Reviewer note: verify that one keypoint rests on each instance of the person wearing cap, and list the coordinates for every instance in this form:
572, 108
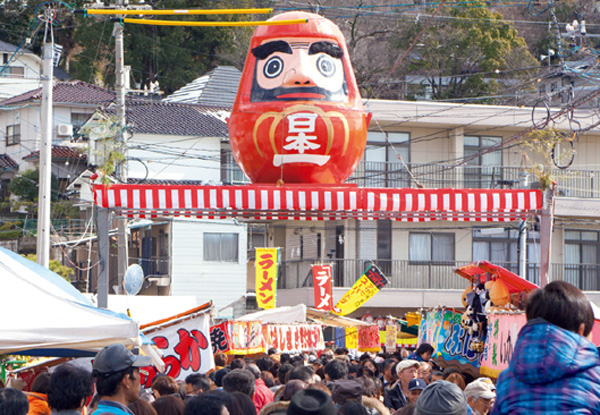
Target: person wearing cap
480, 396
555, 368
311, 402
415, 387
442, 398
396, 394
117, 374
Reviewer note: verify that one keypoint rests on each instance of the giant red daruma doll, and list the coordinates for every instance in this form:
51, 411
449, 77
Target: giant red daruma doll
298, 115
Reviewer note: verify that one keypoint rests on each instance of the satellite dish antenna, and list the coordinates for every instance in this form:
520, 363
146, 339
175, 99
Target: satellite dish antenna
134, 279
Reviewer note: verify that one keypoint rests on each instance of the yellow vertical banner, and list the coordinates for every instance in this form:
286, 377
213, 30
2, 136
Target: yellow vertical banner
363, 289
351, 338
266, 265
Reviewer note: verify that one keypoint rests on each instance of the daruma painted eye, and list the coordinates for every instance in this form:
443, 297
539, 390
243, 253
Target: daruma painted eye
326, 66
273, 67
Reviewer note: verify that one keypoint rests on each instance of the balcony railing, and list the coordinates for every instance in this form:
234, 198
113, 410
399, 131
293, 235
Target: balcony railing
576, 183
411, 275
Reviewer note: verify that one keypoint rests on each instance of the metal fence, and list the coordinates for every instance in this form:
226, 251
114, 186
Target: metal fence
575, 183
429, 275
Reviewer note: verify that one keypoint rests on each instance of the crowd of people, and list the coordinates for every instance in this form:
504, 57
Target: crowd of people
555, 369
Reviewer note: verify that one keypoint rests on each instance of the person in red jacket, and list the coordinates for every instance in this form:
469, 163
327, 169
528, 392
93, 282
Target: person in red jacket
262, 394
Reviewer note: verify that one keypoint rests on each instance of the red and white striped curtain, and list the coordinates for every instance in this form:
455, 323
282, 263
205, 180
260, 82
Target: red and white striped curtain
319, 202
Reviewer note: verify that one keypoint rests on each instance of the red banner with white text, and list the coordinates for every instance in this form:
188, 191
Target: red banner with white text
323, 286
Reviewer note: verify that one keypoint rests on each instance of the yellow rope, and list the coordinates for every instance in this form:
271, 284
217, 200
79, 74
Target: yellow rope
183, 23
115, 12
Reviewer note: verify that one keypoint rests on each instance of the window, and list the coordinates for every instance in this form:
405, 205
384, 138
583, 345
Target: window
14, 72
78, 119
501, 247
581, 258
382, 167
13, 134
221, 247
431, 247
483, 170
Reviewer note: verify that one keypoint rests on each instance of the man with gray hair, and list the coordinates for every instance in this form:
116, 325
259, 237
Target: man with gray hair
397, 393
480, 394
262, 394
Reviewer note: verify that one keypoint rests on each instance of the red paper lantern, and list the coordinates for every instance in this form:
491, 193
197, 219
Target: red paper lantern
298, 116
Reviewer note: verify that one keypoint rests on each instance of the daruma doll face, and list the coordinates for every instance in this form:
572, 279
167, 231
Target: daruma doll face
298, 115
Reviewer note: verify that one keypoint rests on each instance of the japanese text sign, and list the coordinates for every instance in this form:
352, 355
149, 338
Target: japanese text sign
323, 285
503, 330
219, 338
442, 329
237, 337
351, 338
185, 346
368, 338
390, 338
294, 338
267, 260
363, 289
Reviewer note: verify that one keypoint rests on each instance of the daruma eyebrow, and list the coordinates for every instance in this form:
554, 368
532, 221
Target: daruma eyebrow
267, 49
329, 48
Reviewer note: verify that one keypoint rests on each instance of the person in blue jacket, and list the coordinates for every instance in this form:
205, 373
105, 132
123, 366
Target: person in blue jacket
117, 374
555, 368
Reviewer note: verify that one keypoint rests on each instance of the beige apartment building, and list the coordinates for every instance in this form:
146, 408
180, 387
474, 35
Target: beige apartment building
440, 145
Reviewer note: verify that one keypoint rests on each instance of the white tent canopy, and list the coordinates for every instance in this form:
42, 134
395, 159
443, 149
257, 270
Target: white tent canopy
43, 315
300, 314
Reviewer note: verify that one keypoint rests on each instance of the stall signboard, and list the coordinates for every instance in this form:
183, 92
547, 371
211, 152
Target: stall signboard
267, 264
292, 338
502, 333
368, 338
219, 338
323, 286
186, 348
363, 289
442, 329
351, 338
390, 338
237, 337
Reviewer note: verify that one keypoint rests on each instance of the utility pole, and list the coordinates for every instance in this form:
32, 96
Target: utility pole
546, 218
523, 234
45, 177
123, 257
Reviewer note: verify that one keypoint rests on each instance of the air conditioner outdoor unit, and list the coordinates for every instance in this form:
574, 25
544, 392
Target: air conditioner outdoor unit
64, 130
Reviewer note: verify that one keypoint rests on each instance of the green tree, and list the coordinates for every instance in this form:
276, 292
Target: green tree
467, 54
55, 266
25, 186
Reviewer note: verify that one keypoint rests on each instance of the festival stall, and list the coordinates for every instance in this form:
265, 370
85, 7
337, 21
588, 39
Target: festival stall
479, 340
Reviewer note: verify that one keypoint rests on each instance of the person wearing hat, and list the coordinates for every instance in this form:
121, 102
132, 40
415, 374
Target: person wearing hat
311, 402
480, 396
415, 387
442, 398
117, 374
396, 394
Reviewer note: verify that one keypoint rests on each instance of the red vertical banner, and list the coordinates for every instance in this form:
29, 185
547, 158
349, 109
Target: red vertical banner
368, 339
323, 285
